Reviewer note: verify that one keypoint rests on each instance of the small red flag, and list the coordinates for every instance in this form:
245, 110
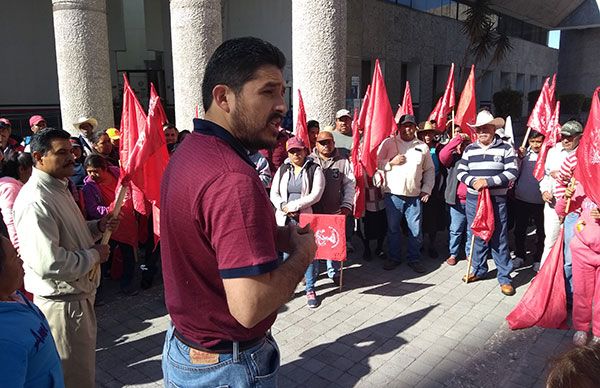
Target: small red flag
330, 235
379, 121
545, 302
552, 137
407, 106
359, 194
362, 116
543, 109
483, 223
466, 112
160, 110
445, 103
588, 153
301, 126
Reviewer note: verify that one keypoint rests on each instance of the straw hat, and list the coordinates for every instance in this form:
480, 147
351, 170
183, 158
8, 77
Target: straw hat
485, 117
83, 120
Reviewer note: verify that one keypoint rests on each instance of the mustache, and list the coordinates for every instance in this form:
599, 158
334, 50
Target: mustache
275, 116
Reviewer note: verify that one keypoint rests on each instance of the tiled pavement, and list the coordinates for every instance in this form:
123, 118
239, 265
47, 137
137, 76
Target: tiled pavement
386, 328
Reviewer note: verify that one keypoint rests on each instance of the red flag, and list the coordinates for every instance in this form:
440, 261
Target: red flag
359, 193
588, 153
162, 115
483, 223
379, 121
133, 121
445, 103
466, 112
301, 127
542, 111
407, 106
552, 137
330, 235
545, 302
363, 110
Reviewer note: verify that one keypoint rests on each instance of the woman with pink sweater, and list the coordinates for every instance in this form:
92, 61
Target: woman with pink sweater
16, 171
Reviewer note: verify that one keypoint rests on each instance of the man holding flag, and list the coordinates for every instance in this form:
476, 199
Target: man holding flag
489, 162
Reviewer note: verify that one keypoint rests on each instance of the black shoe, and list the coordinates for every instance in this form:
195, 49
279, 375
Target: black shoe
129, 291
390, 264
380, 253
367, 256
336, 280
417, 267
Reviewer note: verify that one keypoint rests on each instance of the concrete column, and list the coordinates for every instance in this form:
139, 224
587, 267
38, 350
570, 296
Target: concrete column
82, 61
195, 34
319, 57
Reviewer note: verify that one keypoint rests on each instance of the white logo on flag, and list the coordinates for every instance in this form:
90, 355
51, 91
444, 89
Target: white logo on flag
321, 239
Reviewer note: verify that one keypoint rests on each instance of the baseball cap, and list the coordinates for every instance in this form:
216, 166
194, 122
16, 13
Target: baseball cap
75, 142
341, 113
325, 135
407, 119
571, 128
294, 142
113, 133
34, 120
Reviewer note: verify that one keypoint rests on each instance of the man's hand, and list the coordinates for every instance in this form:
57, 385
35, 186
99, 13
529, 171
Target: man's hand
480, 184
302, 240
398, 160
109, 222
547, 196
104, 251
344, 211
521, 152
595, 214
569, 192
424, 197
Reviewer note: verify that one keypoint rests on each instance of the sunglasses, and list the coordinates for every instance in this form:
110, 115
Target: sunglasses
324, 142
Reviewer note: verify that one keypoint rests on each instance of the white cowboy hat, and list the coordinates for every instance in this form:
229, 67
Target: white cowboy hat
485, 117
82, 120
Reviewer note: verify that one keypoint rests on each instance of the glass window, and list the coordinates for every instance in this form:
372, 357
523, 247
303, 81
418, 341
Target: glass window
449, 8
430, 6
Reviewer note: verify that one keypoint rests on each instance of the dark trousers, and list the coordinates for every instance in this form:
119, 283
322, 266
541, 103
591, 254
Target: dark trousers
524, 212
128, 257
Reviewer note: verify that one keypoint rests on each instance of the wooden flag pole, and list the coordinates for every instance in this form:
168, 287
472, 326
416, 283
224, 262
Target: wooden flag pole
452, 121
107, 233
469, 262
571, 186
526, 137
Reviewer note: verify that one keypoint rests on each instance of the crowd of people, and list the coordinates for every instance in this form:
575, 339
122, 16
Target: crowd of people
232, 248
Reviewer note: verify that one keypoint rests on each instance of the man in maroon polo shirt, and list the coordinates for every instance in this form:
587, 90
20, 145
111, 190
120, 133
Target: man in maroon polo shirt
223, 281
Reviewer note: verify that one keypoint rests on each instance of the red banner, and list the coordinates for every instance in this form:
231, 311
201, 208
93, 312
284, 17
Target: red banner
588, 153
483, 223
330, 235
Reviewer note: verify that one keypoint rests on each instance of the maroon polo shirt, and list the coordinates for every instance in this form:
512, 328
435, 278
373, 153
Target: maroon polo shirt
216, 223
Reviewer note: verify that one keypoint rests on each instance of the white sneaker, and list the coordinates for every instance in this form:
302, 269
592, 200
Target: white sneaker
536, 266
517, 262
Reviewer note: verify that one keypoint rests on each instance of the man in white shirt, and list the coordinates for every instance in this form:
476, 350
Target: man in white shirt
409, 178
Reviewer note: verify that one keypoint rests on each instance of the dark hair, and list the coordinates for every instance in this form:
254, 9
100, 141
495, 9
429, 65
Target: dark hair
235, 62
535, 134
182, 134
95, 161
40, 141
169, 125
579, 367
312, 124
10, 166
97, 135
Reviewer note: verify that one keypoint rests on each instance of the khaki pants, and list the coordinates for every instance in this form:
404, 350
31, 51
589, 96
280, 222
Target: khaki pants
73, 326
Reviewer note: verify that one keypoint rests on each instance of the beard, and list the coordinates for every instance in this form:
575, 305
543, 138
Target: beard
253, 133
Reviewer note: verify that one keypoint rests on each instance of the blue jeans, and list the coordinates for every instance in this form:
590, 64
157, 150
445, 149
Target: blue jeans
498, 243
569, 228
457, 229
254, 367
312, 272
397, 207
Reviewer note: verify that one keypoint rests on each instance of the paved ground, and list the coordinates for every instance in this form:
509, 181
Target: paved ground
386, 328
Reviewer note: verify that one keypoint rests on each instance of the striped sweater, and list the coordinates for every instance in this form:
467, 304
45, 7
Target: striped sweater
497, 164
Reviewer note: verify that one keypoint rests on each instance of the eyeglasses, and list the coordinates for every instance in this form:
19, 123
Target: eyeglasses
324, 142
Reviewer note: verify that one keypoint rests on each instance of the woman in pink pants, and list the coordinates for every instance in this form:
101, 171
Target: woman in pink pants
585, 250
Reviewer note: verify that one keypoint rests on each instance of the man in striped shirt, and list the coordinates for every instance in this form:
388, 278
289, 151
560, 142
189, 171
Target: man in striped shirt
489, 162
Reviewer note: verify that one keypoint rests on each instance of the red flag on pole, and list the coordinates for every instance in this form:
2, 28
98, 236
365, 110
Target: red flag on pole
445, 103
542, 111
359, 194
330, 234
545, 302
362, 116
466, 112
379, 121
301, 126
552, 137
160, 111
407, 106
483, 223
588, 153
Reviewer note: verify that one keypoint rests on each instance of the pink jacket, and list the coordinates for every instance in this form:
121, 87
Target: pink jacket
9, 189
587, 229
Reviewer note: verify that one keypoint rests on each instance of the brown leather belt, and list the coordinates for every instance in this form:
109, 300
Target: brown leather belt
223, 347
